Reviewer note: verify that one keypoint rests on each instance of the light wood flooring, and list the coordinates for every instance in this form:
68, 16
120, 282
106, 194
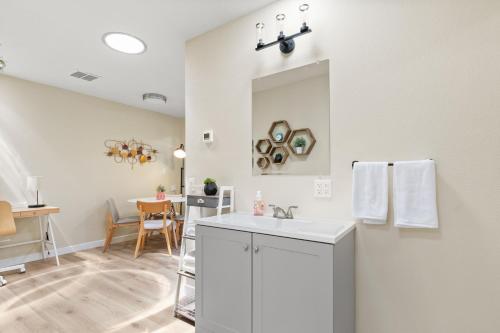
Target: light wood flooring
95, 292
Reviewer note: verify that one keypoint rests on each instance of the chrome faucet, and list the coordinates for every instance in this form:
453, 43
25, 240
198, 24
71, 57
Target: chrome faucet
280, 213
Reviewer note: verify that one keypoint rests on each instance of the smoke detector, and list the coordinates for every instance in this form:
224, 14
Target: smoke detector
154, 98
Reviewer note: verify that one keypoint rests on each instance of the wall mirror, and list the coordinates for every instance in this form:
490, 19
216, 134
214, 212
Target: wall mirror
291, 122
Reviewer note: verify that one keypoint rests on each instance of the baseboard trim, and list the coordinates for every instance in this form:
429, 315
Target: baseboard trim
64, 250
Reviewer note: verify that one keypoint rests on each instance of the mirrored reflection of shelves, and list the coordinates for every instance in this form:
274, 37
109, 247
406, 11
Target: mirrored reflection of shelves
263, 146
263, 162
279, 131
309, 141
279, 155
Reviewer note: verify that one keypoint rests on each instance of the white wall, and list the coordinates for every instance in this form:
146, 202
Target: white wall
409, 80
60, 135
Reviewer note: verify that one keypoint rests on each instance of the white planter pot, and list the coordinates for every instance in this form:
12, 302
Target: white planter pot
299, 150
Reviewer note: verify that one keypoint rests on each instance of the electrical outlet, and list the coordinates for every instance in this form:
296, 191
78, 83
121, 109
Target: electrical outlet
322, 188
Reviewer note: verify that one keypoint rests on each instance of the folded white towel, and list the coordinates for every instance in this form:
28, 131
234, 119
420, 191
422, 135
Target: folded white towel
370, 192
415, 194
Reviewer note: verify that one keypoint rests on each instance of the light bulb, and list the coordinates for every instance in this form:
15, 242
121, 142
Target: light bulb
280, 25
304, 10
260, 32
180, 152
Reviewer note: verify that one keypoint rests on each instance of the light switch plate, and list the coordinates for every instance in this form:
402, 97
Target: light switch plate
322, 188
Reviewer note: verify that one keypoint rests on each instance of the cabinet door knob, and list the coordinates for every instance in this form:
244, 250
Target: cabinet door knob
256, 249
246, 247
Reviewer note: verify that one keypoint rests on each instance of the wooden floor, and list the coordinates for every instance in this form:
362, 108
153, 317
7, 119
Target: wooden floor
95, 292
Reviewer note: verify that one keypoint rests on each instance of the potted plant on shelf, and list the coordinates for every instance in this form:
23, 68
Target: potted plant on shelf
299, 144
160, 192
210, 186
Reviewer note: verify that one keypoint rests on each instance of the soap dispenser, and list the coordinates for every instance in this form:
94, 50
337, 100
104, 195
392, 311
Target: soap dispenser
258, 204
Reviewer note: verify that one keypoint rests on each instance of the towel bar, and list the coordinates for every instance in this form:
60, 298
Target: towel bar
390, 163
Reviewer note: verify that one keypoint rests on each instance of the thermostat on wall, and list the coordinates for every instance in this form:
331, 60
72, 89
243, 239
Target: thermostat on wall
208, 136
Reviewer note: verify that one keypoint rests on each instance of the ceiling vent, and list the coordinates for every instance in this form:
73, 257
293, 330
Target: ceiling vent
154, 98
84, 76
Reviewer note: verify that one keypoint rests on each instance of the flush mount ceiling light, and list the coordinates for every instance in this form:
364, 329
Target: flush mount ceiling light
154, 98
123, 42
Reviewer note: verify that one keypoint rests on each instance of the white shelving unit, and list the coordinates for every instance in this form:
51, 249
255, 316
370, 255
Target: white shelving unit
185, 304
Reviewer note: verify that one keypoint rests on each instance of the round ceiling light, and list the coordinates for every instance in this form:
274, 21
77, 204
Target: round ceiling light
123, 42
154, 98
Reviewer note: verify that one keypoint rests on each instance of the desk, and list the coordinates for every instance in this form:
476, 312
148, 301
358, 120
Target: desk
46, 238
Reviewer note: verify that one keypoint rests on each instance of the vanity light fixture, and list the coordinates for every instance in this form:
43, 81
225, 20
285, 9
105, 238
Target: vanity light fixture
123, 42
287, 43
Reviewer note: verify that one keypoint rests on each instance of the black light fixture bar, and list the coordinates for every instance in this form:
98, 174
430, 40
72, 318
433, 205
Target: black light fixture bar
285, 39
286, 43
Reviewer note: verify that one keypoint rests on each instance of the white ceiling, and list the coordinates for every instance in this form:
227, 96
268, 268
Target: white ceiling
46, 41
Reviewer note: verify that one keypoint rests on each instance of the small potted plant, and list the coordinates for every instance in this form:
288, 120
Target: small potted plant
299, 144
160, 192
210, 186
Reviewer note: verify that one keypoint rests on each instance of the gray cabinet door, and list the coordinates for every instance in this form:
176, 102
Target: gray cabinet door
223, 280
293, 285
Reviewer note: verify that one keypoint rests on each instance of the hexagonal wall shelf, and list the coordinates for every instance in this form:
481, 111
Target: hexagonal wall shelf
279, 150
263, 162
302, 133
279, 131
263, 146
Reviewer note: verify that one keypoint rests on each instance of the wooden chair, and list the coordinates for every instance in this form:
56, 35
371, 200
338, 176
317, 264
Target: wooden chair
8, 227
114, 221
147, 211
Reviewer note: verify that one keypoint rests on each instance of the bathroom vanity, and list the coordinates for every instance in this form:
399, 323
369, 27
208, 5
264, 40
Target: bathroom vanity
266, 275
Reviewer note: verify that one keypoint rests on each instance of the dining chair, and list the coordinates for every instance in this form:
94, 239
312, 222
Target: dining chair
114, 221
148, 224
7, 227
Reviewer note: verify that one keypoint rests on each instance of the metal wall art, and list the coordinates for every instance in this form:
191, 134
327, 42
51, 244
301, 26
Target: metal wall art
131, 152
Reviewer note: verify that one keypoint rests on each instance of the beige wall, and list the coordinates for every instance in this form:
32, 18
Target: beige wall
409, 80
303, 104
60, 135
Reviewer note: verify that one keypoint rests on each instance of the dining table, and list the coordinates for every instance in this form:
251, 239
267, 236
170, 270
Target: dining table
175, 199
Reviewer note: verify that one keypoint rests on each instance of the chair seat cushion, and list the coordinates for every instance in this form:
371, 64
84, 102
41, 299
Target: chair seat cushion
128, 219
155, 224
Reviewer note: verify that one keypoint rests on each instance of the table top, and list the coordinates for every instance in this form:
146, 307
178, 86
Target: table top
174, 198
22, 212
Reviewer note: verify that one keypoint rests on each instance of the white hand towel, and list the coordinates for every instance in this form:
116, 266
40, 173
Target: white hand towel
370, 192
415, 194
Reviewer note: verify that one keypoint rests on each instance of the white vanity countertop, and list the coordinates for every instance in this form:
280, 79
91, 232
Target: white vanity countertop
318, 230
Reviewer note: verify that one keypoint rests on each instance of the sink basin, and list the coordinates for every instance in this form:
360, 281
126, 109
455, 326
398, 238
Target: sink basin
326, 231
